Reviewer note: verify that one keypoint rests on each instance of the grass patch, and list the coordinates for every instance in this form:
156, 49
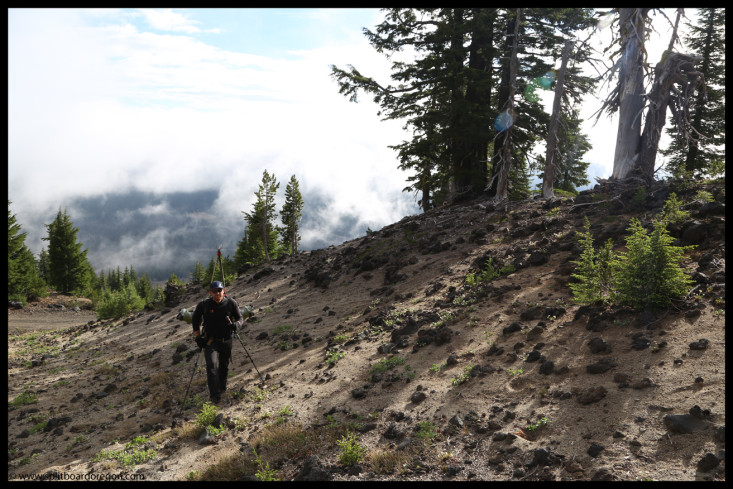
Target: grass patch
387, 364
334, 356
23, 398
135, 452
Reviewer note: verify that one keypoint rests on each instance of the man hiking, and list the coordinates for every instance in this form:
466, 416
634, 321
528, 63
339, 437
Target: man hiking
221, 317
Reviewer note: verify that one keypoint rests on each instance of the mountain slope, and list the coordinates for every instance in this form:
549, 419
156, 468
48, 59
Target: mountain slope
413, 347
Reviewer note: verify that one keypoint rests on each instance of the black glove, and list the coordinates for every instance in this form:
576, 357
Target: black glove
233, 325
200, 341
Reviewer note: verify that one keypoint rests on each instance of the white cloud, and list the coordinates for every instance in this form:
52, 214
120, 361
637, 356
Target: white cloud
134, 110
167, 20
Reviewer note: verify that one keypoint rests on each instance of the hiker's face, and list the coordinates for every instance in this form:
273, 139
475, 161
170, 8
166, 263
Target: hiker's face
217, 294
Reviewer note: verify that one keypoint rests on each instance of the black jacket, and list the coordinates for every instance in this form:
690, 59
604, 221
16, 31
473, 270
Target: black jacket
214, 317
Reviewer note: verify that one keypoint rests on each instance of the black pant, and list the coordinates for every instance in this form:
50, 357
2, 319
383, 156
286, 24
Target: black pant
217, 356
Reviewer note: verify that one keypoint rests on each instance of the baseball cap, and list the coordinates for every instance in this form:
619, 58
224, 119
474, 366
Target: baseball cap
216, 285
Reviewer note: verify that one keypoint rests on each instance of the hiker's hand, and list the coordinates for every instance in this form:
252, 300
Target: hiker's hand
201, 342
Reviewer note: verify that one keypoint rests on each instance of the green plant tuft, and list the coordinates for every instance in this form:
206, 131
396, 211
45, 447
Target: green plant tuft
649, 274
351, 451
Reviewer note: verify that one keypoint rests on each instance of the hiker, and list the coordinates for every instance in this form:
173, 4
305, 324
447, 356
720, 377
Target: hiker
221, 316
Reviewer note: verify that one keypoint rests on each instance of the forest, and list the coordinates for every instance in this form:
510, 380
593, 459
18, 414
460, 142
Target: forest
470, 95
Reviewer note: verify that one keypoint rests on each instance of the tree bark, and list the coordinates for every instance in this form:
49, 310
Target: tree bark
551, 157
631, 92
502, 186
673, 68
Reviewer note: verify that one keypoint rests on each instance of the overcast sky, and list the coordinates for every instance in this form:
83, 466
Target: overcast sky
106, 103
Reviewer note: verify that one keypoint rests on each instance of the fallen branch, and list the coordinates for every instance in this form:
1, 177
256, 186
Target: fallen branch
617, 198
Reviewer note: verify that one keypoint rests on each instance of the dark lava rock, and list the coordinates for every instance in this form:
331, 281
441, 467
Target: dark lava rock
595, 449
597, 345
393, 433
533, 356
542, 457
603, 365
592, 394
701, 344
313, 470
684, 423
56, 422
418, 396
602, 475
708, 462
515, 326
639, 343
547, 367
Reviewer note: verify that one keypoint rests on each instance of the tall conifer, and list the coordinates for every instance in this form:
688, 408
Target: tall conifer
291, 214
24, 281
68, 268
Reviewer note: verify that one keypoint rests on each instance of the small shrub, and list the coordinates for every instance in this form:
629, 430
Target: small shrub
704, 196
426, 431
207, 415
649, 273
264, 473
464, 377
639, 197
351, 451
334, 356
671, 212
437, 367
487, 274
593, 274
282, 329
542, 422
386, 364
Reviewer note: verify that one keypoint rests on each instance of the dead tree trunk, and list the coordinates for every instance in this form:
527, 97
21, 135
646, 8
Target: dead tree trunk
630, 92
551, 158
674, 68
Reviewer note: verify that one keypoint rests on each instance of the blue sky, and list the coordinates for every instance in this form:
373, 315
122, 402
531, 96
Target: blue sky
108, 101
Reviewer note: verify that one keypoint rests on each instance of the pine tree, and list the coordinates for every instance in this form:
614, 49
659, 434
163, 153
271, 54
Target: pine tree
291, 214
113, 279
116, 304
703, 154
102, 283
264, 234
593, 276
246, 253
43, 265
198, 276
145, 288
648, 274
24, 281
68, 268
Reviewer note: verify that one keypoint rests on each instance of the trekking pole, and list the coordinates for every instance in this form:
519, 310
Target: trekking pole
262, 378
236, 333
221, 267
192, 373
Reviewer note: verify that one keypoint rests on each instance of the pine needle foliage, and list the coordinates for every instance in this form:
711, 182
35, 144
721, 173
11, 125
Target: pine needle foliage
593, 276
649, 273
